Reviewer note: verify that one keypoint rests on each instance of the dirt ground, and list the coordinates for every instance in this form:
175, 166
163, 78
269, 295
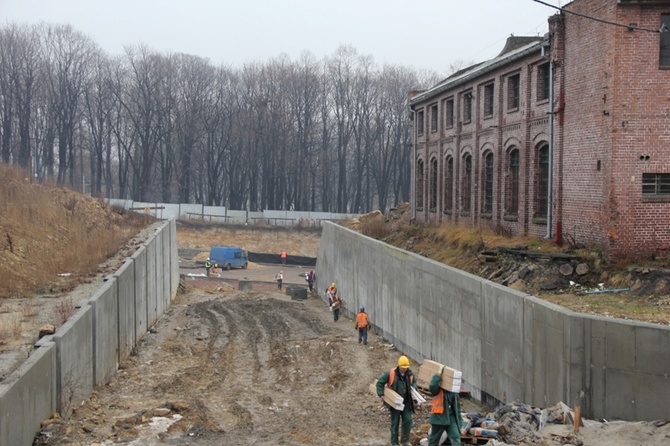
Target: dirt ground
257, 368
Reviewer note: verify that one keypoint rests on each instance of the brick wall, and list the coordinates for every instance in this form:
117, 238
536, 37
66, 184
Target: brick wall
612, 124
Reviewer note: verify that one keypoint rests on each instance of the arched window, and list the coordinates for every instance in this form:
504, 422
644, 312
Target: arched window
433, 185
419, 184
449, 185
542, 182
487, 202
512, 189
466, 186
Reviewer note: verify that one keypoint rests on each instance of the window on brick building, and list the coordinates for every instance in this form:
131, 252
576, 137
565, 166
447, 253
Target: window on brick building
488, 100
419, 184
419, 123
543, 82
467, 107
542, 182
449, 185
512, 195
487, 202
664, 54
466, 186
433, 118
449, 113
656, 184
513, 87
433, 185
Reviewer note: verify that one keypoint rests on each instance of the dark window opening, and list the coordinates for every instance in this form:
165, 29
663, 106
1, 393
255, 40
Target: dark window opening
433, 185
488, 184
449, 186
433, 118
513, 184
543, 82
488, 100
450, 113
467, 107
419, 123
467, 183
542, 182
419, 184
513, 92
656, 184
664, 51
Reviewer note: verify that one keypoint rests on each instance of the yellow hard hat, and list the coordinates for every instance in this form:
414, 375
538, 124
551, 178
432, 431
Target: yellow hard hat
403, 362
332, 284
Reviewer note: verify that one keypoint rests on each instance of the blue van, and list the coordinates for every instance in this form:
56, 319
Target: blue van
228, 257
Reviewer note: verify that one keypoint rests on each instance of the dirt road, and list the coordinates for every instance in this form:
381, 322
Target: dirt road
241, 369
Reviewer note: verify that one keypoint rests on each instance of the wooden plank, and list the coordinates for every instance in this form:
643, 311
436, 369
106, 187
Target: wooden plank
391, 397
451, 379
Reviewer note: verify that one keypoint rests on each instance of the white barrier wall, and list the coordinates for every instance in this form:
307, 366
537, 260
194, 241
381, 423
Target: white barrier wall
86, 350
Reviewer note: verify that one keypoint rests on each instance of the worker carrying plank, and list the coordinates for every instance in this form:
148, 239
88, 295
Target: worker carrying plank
445, 413
400, 379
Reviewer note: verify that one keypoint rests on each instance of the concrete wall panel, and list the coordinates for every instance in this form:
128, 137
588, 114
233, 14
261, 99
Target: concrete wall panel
152, 304
125, 277
104, 305
165, 274
74, 360
174, 259
28, 396
160, 269
141, 312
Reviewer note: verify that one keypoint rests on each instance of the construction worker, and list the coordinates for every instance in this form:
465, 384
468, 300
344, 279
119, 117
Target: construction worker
445, 414
334, 301
283, 257
362, 325
400, 379
310, 278
280, 279
208, 266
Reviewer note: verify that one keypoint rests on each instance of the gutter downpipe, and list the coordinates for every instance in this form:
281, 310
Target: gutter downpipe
551, 146
413, 166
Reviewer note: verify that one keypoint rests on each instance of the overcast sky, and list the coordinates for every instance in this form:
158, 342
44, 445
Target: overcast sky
424, 34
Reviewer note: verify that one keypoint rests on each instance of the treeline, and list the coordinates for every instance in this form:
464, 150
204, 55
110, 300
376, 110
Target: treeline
323, 135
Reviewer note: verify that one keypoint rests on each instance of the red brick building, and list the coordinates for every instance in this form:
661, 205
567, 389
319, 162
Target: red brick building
565, 136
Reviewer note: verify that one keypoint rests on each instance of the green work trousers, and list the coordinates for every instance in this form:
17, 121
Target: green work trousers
406, 416
336, 314
453, 433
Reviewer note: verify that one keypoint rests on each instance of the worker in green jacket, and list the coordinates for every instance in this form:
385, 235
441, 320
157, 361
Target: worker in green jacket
445, 413
400, 379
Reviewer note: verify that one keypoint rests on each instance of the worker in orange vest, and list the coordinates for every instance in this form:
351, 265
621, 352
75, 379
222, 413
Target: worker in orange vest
283, 257
362, 325
445, 414
400, 379
334, 301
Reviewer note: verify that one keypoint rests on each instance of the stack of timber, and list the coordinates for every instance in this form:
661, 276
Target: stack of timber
338, 304
391, 397
450, 381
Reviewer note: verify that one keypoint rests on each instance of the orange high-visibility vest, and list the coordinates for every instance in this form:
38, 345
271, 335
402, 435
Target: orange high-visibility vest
362, 320
392, 378
438, 403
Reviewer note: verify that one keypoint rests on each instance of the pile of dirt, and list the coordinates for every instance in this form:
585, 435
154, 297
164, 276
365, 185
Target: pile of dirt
576, 277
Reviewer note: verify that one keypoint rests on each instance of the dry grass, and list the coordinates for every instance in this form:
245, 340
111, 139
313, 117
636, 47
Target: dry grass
62, 310
46, 230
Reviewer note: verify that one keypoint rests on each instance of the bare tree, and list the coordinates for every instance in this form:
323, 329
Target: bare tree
67, 69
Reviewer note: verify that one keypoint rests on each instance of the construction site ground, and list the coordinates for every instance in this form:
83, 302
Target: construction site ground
223, 367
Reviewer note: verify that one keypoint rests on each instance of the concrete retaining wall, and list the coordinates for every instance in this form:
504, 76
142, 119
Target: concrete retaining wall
509, 345
86, 350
